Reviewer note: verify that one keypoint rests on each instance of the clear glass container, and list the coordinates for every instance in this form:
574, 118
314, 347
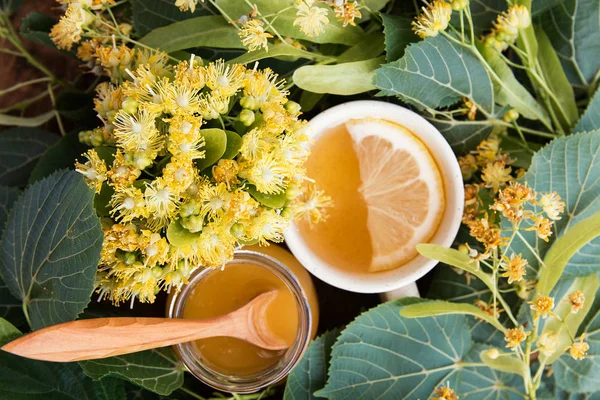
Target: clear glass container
190, 357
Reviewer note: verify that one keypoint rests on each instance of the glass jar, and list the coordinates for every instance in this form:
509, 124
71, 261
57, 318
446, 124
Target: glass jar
190, 357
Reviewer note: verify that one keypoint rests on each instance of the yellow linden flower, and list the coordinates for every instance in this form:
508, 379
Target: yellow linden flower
154, 60
496, 175
252, 144
346, 11
268, 226
542, 226
263, 87
185, 5
190, 75
488, 308
253, 35
552, 205
577, 300
311, 19
113, 56
155, 248
445, 393
94, 170
514, 267
128, 204
180, 99
225, 80
311, 204
547, 343
180, 173
69, 29
578, 350
542, 306
186, 146
269, 173
511, 201
225, 171
137, 132
214, 200
162, 202
216, 245
122, 174
433, 20
108, 98
213, 105
515, 337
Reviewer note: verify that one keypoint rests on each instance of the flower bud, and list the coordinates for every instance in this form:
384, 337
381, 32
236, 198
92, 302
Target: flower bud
96, 139
511, 115
193, 223
129, 258
493, 353
187, 209
141, 161
458, 5
292, 192
130, 105
249, 102
157, 272
292, 107
287, 213
463, 249
246, 117
237, 230
110, 116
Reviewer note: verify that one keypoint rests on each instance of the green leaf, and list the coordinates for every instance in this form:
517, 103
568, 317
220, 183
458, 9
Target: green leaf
563, 249
78, 107
8, 196
10, 307
51, 249
343, 79
157, 370
310, 374
452, 286
539, 7
589, 286
437, 73
456, 259
8, 332
215, 146
308, 100
505, 363
462, 136
333, 32
398, 35
27, 122
26, 379
234, 142
590, 120
573, 30
151, 14
270, 200
563, 102
179, 236
209, 31
102, 200
36, 26
383, 355
508, 90
277, 50
371, 46
581, 376
568, 166
61, 155
20, 149
435, 308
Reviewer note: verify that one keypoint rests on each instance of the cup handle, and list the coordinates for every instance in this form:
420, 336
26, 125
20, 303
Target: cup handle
410, 290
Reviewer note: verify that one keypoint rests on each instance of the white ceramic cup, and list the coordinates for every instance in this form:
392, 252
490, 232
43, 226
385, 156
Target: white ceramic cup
379, 282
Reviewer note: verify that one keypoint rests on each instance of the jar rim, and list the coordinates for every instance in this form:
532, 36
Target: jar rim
253, 383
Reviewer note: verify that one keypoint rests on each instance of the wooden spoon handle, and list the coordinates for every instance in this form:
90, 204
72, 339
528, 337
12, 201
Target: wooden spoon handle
105, 337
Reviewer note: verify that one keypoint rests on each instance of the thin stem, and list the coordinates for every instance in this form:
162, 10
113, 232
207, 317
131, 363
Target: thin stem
495, 281
23, 84
471, 29
526, 130
229, 19
462, 25
531, 249
26, 103
17, 54
56, 113
189, 392
518, 129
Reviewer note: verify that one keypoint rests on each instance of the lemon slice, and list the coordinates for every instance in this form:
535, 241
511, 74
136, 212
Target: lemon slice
402, 187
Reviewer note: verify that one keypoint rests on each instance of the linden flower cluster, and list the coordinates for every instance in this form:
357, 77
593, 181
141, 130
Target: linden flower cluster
78, 18
312, 19
177, 197
506, 27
